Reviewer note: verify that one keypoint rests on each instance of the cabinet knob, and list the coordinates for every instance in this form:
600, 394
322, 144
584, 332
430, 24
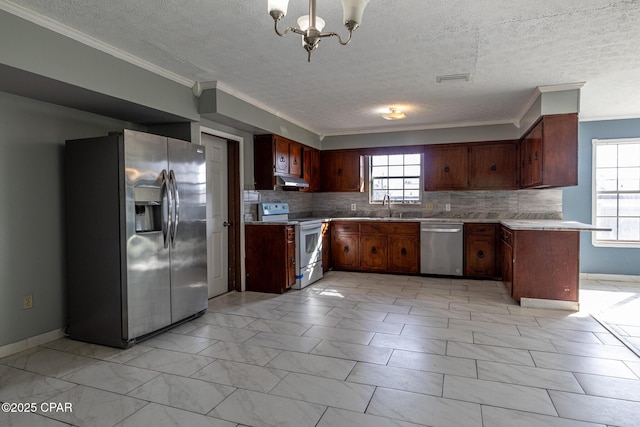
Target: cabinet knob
282, 160
403, 251
293, 261
340, 171
494, 167
346, 248
446, 168
480, 254
374, 250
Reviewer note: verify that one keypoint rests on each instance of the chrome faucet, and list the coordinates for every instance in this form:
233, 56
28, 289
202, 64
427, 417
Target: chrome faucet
387, 198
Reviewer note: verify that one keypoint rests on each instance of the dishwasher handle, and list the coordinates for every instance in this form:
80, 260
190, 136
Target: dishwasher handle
441, 230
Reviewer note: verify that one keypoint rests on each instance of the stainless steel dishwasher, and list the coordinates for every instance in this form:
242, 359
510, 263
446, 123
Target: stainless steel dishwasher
441, 248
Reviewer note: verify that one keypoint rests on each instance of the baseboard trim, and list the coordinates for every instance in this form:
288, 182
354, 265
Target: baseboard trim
31, 342
549, 304
610, 277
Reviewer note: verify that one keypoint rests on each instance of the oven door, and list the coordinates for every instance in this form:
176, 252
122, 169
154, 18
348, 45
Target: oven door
308, 253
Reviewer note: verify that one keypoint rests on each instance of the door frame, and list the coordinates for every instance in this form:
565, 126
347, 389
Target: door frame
235, 206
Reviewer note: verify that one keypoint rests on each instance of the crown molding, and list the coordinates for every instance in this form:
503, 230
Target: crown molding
561, 87
66, 31
539, 91
584, 118
419, 127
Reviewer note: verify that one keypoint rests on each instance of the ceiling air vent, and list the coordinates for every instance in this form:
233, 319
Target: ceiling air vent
450, 77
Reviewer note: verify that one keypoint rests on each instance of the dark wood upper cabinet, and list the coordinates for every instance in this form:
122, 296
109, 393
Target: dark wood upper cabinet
446, 167
549, 152
493, 165
311, 169
275, 155
342, 170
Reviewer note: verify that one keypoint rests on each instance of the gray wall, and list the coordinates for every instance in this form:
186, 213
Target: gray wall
577, 201
32, 136
27, 46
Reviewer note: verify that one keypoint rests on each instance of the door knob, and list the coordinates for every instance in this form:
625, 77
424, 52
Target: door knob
226, 224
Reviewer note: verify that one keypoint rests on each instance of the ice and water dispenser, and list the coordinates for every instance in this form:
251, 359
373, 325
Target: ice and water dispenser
148, 208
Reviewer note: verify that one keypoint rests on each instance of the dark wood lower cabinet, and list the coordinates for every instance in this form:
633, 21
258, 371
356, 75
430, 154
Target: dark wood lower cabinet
344, 251
404, 254
390, 247
326, 247
541, 264
506, 257
480, 253
373, 252
270, 257
291, 257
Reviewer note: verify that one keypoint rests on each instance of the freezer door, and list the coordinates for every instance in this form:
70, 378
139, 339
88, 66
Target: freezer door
189, 242
146, 306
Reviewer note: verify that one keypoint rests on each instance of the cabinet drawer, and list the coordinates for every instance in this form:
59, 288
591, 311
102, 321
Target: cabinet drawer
506, 236
345, 227
480, 229
389, 228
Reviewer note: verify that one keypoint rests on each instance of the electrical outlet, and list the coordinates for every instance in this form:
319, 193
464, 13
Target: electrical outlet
429, 206
447, 207
27, 301
353, 206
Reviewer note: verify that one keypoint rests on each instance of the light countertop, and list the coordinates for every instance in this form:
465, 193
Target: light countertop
514, 224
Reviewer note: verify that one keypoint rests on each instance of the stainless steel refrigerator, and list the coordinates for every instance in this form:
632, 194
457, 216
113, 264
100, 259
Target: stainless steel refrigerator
136, 235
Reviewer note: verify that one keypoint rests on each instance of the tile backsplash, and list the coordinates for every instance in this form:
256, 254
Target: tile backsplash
516, 204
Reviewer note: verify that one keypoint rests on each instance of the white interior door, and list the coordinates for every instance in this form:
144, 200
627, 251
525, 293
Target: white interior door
217, 200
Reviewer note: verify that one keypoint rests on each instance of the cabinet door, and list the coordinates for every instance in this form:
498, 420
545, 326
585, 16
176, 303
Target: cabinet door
560, 147
506, 263
344, 251
291, 261
480, 256
531, 157
403, 254
373, 251
281, 156
295, 159
493, 166
311, 169
446, 167
341, 170
326, 246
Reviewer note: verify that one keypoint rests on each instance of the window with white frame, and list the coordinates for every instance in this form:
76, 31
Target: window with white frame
616, 192
397, 175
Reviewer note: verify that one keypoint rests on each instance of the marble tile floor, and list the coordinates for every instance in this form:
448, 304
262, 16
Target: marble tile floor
354, 349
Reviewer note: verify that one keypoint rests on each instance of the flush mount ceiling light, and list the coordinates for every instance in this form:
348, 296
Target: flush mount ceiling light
393, 114
310, 26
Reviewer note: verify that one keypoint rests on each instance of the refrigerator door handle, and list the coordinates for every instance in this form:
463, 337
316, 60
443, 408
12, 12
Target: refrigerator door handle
176, 210
166, 214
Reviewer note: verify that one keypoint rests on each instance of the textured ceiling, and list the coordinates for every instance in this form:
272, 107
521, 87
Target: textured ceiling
510, 47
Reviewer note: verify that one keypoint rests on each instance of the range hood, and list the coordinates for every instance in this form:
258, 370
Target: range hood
289, 181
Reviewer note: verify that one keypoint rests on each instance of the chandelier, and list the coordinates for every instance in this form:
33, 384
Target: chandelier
310, 26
